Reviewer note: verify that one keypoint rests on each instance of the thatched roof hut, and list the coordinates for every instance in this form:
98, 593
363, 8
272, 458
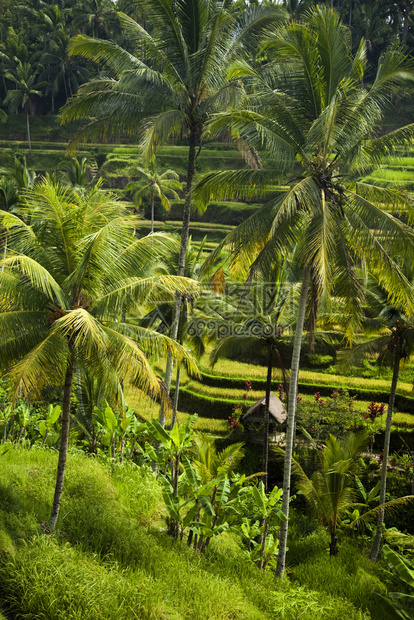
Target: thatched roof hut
277, 411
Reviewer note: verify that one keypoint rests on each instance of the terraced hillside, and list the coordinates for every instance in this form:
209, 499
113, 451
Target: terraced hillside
214, 395
116, 164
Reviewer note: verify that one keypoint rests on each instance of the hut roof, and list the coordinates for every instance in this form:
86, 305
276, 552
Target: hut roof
276, 409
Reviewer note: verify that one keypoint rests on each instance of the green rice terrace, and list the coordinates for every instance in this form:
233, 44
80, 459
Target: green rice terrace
206, 310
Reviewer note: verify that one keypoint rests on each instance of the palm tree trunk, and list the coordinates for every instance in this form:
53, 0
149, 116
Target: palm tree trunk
266, 417
176, 395
378, 535
263, 543
412, 475
64, 440
313, 315
290, 431
152, 211
28, 130
181, 262
80, 397
333, 547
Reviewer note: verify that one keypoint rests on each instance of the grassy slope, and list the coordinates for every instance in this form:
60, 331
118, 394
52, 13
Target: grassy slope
111, 560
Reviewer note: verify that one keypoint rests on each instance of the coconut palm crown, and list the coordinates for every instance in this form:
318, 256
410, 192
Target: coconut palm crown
73, 273
177, 86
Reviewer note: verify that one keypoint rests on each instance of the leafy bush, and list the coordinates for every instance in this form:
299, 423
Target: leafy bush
335, 414
310, 546
318, 361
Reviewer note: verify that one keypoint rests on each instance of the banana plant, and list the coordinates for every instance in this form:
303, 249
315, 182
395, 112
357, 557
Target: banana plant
173, 443
47, 428
404, 572
185, 506
6, 415
209, 502
268, 505
129, 428
106, 424
23, 416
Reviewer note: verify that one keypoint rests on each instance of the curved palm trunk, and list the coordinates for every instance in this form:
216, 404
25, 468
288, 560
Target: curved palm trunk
64, 440
290, 431
266, 418
378, 535
181, 263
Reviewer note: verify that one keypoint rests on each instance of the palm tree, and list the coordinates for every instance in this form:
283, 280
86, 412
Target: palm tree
154, 184
20, 174
24, 79
183, 83
74, 172
330, 492
13, 181
67, 279
311, 111
60, 69
390, 348
96, 17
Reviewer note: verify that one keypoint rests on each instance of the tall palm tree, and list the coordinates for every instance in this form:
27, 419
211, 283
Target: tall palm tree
319, 122
391, 348
154, 184
26, 88
96, 17
183, 83
60, 69
68, 277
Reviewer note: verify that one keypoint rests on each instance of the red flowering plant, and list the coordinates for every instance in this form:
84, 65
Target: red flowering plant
375, 410
334, 414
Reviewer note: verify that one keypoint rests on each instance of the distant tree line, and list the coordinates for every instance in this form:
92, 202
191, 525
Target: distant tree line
38, 75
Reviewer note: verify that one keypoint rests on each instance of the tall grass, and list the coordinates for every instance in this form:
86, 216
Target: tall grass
111, 559
106, 562
350, 575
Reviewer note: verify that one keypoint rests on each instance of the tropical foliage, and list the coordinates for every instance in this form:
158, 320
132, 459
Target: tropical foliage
316, 119
318, 277
61, 306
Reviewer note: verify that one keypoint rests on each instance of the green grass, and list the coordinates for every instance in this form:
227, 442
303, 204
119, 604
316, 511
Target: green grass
147, 410
112, 561
393, 174
350, 575
243, 371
